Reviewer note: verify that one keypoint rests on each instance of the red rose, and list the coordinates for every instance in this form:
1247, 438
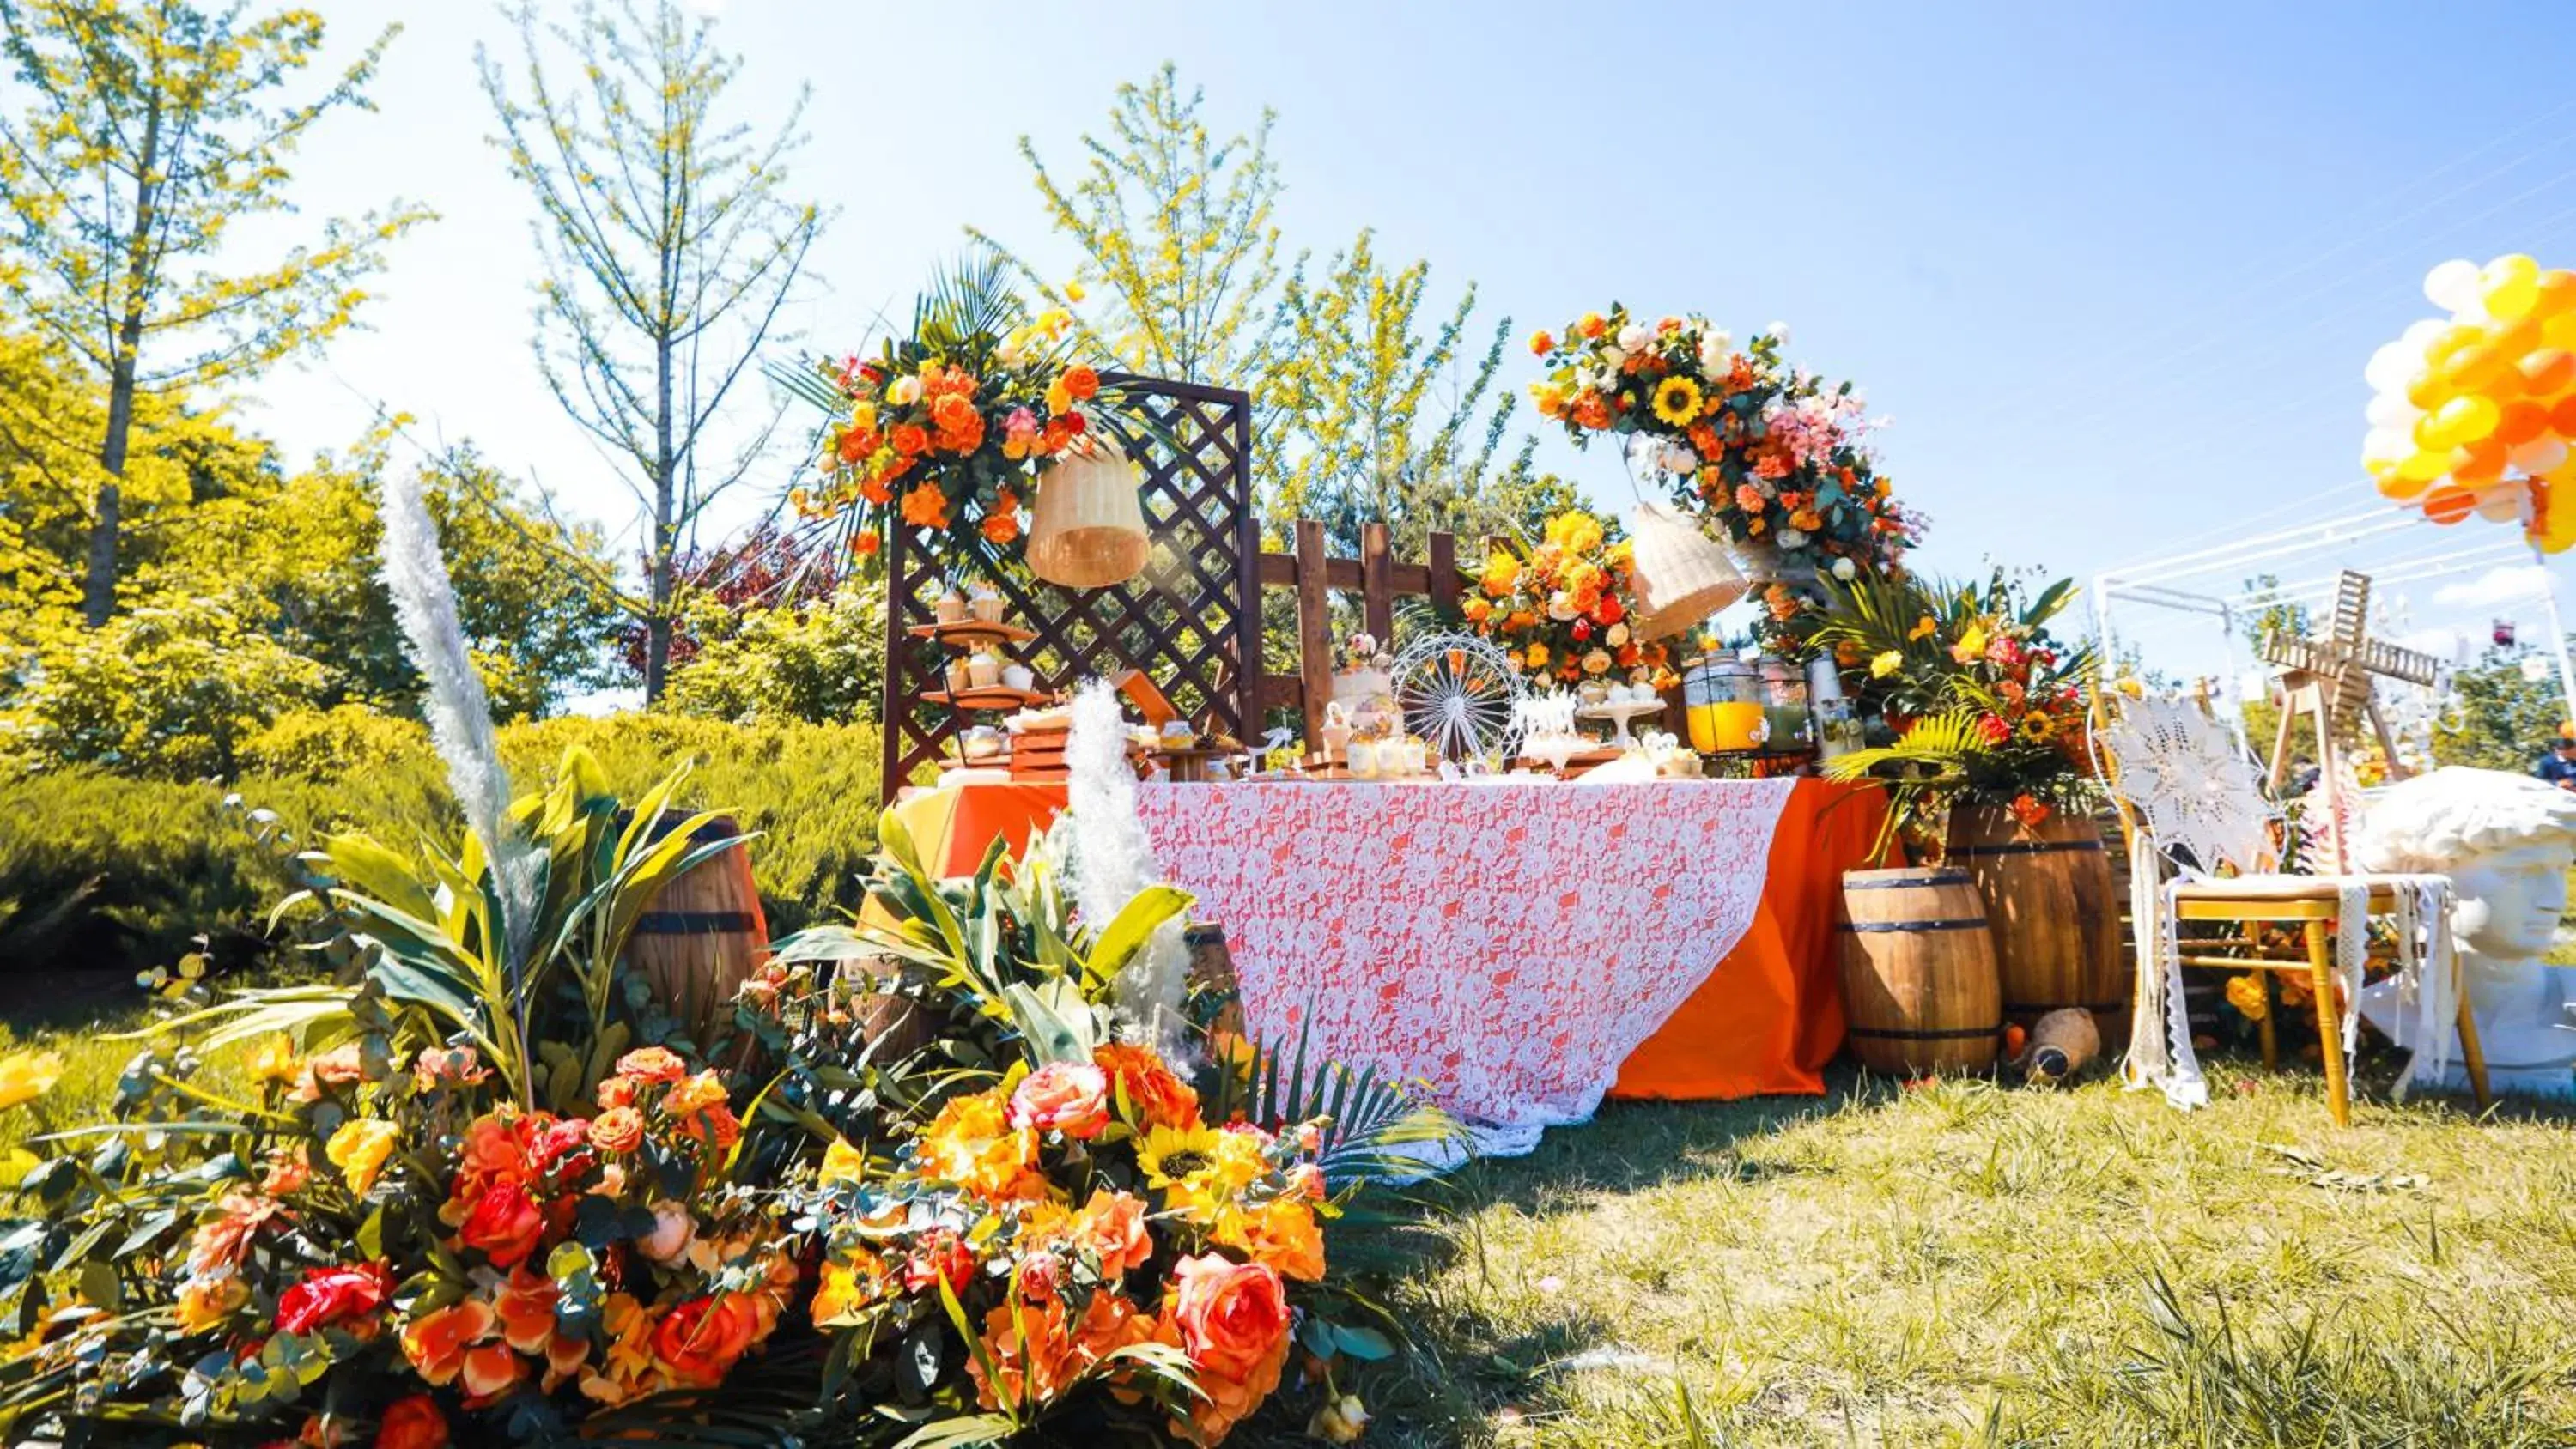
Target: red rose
1582, 629
555, 1144
1994, 729
412, 1423
1609, 611
333, 1295
1067, 1097
941, 1254
503, 1224
1232, 1316
699, 1340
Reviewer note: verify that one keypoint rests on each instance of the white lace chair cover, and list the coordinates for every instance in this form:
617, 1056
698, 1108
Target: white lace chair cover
2195, 797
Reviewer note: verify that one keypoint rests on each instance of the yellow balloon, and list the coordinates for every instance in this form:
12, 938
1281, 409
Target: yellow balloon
2557, 293
2559, 331
2425, 466
2449, 340
2554, 526
2427, 390
2461, 420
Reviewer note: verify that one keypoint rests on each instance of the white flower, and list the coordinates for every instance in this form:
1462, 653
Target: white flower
1677, 458
1560, 606
1617, 635
1844, 569
1777, 332
1792, 538
1634, 338
1715, 348
1612, 357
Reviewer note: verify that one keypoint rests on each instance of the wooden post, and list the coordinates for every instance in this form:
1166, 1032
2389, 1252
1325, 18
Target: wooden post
1314, 629
1377, 584
1444, 580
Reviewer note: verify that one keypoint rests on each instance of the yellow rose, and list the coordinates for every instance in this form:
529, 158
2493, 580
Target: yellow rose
25, 1076
1923, 628
1886, 664
1502, 571
1073, 292
1537, 656
205, 1303
863, 415
904, 392
359, 1150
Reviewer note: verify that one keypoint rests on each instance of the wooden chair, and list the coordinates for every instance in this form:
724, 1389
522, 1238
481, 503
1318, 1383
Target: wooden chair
2188, 801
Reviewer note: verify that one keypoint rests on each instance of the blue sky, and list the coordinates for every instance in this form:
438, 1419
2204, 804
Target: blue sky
2114, 273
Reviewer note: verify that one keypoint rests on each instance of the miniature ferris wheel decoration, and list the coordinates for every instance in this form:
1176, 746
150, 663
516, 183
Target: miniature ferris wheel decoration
1460, 693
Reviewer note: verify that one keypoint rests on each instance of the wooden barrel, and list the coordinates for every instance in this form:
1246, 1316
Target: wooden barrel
2051, 911
704, 933
1919, 988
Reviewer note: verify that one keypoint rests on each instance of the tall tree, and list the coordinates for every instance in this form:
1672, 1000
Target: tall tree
670, 249
1389, 422
2502, 716
1175, 232
150, 129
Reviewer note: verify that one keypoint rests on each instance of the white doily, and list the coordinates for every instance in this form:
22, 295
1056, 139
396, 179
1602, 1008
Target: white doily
2192, 783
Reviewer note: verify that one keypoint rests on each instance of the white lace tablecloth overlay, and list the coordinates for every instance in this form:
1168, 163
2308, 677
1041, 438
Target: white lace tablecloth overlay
1505, 946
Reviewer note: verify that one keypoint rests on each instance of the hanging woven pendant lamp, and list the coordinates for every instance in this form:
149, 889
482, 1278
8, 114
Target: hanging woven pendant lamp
1089, 531
1682, 576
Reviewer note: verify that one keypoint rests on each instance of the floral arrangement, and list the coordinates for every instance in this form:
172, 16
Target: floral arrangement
477, 1193
1561, 608
1776, 460
1983, 704
947, 430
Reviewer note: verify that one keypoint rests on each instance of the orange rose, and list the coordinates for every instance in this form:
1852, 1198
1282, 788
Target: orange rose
1232, 1316
1066, 1097
972, 1144
1036, 1354
412, 1423
1541, 344
1592, 325
1081, 382
652, 1064
1145, 1089
503, 1224
952, 413
436, 1342
911, 439
1001, 528
617, 1092
864, 544
339, 1067
1112, 1225
699, 1341
221, 1243
694, 1094
619, 1129
1591, 410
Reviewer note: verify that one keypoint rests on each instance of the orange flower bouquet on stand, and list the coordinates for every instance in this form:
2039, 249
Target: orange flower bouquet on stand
948, 429
1561, 608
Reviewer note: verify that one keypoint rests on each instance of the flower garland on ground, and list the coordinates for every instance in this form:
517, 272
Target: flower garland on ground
1773, 457
1560, 609
948, 430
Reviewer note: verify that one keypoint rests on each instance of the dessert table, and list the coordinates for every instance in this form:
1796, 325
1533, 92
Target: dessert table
1520, 949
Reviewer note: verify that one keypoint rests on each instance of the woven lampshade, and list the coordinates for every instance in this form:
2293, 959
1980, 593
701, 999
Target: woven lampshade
1089, 531
1682, 575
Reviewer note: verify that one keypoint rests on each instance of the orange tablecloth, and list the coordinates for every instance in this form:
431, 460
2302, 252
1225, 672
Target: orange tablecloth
1766, 1020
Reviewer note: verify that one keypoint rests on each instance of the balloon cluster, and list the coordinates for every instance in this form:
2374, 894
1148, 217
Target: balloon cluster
2476, 412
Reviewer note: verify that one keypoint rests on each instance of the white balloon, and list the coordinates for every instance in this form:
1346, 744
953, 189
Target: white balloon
2472, 313
2390, 409
2453, 284
2540, 455
2391, 365
2386, 445
2501, 505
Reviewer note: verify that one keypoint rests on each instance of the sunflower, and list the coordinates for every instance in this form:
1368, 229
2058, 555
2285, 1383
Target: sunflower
1677, 401
1169, 1154
2038, 728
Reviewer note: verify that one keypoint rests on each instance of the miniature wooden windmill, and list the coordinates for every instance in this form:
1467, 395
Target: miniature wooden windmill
2329, 678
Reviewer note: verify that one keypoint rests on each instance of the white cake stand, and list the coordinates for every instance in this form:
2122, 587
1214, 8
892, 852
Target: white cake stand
1620, 715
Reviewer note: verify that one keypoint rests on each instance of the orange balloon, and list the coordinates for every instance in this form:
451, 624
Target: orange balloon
2475, 367
2562, 416
2517, 338
2547, 372
2447, 506
2484, 464
2557, 293
2520, 422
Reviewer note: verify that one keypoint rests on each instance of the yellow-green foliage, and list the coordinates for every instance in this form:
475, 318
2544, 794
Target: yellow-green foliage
103, 872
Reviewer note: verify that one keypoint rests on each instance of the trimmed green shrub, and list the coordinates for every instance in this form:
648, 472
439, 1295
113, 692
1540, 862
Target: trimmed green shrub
102, 872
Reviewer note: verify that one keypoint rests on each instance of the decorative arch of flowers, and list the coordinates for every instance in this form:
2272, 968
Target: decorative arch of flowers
1560, 608
1773, 458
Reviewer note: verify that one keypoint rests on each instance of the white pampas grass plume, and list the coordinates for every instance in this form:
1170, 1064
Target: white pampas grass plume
1112, 861
460, 715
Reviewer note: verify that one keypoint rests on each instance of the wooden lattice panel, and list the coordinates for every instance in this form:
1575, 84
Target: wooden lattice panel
1190, 621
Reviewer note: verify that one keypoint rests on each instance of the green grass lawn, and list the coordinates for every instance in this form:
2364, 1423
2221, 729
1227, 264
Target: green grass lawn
1967, 1265
1963, 1265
